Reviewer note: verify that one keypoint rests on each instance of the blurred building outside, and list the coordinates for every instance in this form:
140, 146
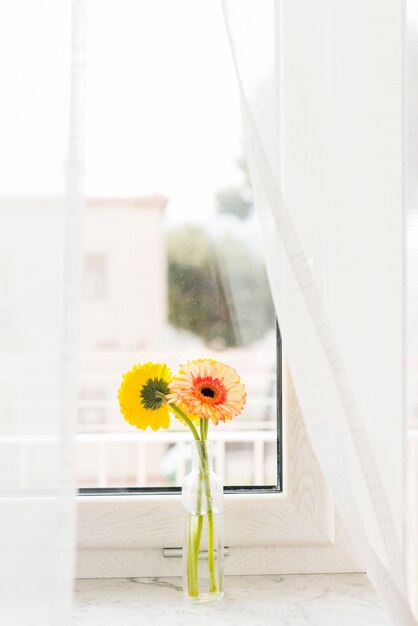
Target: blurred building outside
124, 322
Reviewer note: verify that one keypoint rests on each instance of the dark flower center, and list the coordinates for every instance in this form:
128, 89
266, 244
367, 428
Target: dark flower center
208, 392
149, 399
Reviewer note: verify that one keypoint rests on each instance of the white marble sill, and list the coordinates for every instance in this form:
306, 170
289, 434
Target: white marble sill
314, 600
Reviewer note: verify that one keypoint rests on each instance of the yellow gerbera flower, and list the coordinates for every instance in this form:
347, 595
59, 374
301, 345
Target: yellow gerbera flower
208, 389
138, 399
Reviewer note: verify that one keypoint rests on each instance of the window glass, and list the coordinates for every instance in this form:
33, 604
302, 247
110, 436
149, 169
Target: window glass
173, 262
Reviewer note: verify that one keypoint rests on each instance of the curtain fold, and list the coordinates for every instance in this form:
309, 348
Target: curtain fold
41, 70
323, 128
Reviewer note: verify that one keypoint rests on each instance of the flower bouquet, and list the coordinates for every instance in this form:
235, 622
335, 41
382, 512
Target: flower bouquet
204, 390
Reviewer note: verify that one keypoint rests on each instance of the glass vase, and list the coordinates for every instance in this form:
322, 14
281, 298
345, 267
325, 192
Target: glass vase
202, 496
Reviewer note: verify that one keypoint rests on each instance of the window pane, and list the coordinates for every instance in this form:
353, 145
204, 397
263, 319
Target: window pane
173, 263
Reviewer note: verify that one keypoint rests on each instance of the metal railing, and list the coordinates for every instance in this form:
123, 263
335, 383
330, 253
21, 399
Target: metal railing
103, 443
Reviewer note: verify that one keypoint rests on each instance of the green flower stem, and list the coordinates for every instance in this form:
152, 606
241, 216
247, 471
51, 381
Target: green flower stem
191, 574
202, 429
204, 474
194, 535
199, 511
187, 419
211, 553
204, 425
211, 542
205, 428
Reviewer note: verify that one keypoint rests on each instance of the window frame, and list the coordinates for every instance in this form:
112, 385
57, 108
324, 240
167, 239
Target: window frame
291, 530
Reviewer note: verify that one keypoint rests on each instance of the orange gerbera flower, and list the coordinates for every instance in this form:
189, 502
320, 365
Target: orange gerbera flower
208, 389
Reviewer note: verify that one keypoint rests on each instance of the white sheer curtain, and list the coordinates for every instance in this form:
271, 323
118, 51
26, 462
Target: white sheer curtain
411, 198
40, 209
322, 101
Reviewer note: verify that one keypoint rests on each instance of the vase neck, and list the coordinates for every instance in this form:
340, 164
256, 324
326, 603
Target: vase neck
202, 455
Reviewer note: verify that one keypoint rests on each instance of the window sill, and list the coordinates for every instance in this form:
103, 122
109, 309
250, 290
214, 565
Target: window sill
326, 599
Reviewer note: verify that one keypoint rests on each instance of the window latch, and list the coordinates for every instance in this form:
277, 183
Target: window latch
177, 553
